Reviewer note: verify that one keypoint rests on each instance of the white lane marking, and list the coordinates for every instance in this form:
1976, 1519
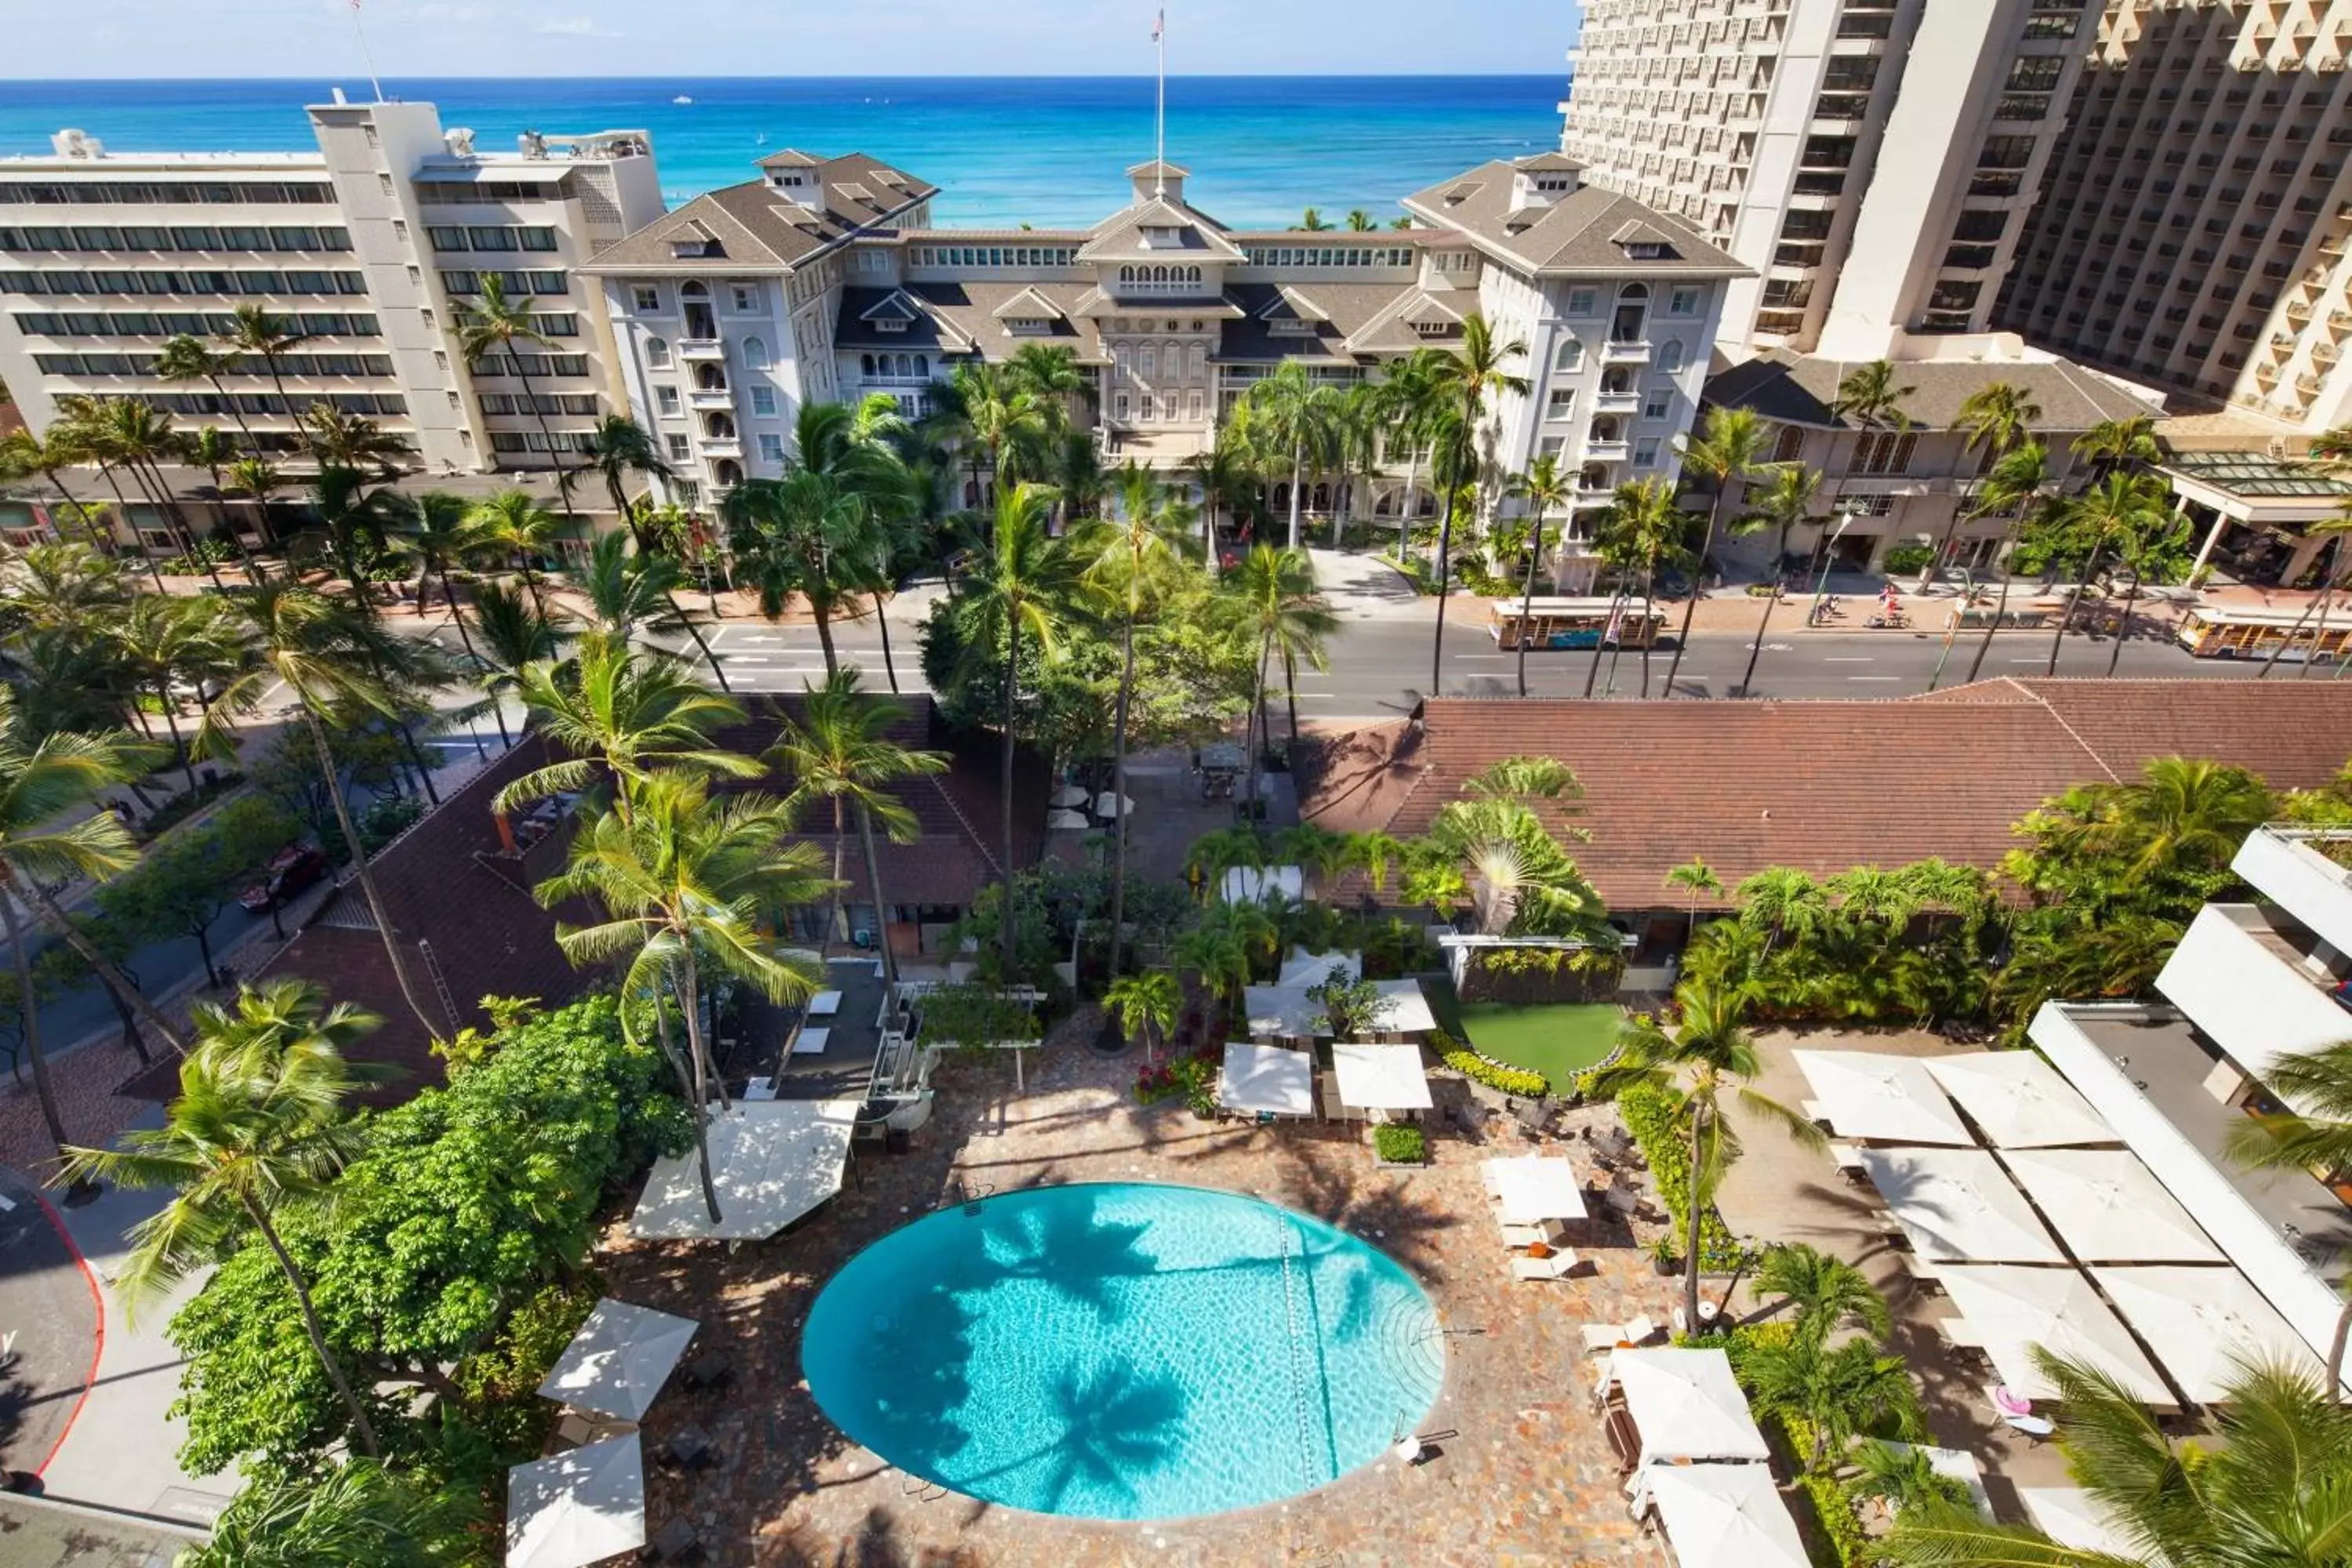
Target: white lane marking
1873, 677
2028, 661
1848, 659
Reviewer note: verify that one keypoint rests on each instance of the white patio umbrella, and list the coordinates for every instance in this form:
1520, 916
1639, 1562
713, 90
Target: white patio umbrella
2013, 1310
1531, 1189
578, 1507
1724, 1516
1380, 1077
2019, 1099
1267, 1079
2108, 1207
1959, 1207
1686, 1405
1305, 968
1111, 804
1068, 795
1066, 821
619, 1359
1868, 1094
2204, 1323
2074, 1518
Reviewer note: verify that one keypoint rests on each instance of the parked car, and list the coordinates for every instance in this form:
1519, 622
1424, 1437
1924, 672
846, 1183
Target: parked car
290, 871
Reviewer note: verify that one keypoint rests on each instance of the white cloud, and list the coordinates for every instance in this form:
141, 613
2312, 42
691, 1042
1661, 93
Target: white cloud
574, 27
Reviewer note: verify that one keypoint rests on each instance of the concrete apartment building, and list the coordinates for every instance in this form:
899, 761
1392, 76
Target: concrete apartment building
1871, 159
2250, 983
370, 247
823, 278
2195, 222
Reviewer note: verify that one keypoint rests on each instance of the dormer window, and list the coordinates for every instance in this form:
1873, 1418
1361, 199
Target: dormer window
1649, 250
687, 248
1028, 327
1431, 329
890, 324
1162, 237
1286, 327
1558, 184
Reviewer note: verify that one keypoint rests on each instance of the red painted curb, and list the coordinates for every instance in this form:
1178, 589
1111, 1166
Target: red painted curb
97, 1302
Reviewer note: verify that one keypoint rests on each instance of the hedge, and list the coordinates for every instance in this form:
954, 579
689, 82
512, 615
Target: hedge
1399, 1144
1519, 1082
1648, 1110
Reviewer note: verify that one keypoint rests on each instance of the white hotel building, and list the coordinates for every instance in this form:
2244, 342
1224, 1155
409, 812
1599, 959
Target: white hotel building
823, 278
2250, 983
372, 245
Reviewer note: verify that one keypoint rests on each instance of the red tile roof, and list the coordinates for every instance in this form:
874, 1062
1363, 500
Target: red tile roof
1819, 786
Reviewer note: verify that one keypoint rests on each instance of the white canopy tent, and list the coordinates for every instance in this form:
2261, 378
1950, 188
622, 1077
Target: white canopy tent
1067, 796
1380, 1077
1274, 884
1305, 968
619, 1359
578, 1507
771, 1161
2074, 1518
1288, 1012
2109, 1208
1404, 1010
1063, 820
1893, 1100
2204, 1323
2019, 1099
2012, 1309
1110, 804
1267, 1079
1724, 1516
1686, 1405
1959, 1207
1531, 1189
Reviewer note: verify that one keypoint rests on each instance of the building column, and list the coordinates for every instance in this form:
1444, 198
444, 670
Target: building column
2212, 538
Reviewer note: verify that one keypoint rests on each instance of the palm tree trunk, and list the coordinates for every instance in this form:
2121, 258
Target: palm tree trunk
107, 970
881, 909
253, 572
2000, 611
1257, 718
2326, 586
171, 723
711, 658
2066, 616
685, 1091
455, 614
122, 510
317, 1336
840, 887
81, 513
251, 446
1404, 507
1698, 577
1527, 599
2336, 1352
824, 634
1649, 580
1297, 475
366, 876
43, 1091
302, 431
180, 520
554, 456
1690, 1259
690, 998
1012, 705
1593, 675
1290, 692
2319, 629
882, 625
1756, 649
2123, 626
1445, 550
1118, 788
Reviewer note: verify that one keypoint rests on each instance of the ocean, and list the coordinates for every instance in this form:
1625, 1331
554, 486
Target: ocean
1047, 151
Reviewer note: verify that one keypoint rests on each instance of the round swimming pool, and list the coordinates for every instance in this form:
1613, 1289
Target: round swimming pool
1126, 1351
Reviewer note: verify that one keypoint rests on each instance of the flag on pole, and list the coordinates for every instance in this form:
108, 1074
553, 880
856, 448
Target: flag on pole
1158, 22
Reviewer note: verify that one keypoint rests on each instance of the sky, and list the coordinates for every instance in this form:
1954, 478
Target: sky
242, 39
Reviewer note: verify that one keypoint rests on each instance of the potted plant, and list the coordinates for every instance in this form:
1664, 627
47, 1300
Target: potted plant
1662, 1260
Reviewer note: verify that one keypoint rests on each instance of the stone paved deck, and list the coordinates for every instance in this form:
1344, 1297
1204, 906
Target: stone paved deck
1527, 1481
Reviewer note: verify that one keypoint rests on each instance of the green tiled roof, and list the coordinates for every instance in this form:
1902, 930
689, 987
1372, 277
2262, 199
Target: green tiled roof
2253, 474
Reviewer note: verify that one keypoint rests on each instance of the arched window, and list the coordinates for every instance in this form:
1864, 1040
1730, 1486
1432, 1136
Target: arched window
719, 427
865, 364
923, 366
657, 353
1160, 275
1175, 360
726, 473
693, 292
1127, 274
710, 378
1633, 317
755, 352
1570, 356
1670, 357
1150, 360
1200, 361
1191, 275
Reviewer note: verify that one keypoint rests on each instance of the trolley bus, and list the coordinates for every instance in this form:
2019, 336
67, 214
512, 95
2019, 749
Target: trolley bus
1576, 622
2214, 633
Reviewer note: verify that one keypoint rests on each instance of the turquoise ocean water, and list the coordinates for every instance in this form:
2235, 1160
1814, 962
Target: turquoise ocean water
1044, 151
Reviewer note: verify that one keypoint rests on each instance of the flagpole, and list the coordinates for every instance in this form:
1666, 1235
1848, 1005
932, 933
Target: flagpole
365, 53
1159, 118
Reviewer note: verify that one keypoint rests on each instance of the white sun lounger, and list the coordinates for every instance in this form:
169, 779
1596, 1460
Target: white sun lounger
1556, 1267
1548, 1232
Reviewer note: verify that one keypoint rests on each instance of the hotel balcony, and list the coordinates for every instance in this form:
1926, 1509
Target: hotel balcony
2258, 985
718, 399
697, 350
721, 446
1616, 352
1597, 450
2173, 1102
2297, 868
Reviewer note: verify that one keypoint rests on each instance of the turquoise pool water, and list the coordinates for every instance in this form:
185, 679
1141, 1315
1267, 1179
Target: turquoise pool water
1124, 1351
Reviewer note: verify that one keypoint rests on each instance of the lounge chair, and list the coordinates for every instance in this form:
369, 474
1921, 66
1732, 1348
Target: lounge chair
1609, 1336
1554, 1267
1550, 1233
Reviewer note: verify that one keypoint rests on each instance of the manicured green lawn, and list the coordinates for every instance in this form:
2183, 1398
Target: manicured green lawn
1557, 1039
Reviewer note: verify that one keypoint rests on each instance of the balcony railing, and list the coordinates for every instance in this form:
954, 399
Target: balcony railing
722, 446
702, 349
1627, 353
715, 397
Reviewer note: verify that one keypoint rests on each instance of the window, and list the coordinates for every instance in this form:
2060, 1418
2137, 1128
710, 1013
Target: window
764, 402
1562, 403
1118, 408
1200, 361
1632, 316
1789, 444
1670, 354
665, 402
679, 448
1682, 302
1584, 302
1645, 452
1570, 356
745, 297
1805, 225
755, 353
645, 297
1884, 452
1192, 406
1148, 362
1659, 403
657, 353
771, 446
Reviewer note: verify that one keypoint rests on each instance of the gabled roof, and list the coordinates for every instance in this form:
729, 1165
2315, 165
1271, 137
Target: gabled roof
1028, 305
758, 226
1342, 311
791, 158
1792, 388
895, 306
1120, 237
1573, 235
968, 318
1291, 304
1096, 302
923, 327
1547, 163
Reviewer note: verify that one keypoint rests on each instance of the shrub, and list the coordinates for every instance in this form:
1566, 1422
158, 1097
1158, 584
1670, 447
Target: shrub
1648, 1112
1399, 1144
1841, 1539
1518, 1081
1193, 1076
1905, 559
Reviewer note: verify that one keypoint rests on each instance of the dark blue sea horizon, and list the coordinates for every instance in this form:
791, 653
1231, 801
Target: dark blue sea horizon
1048, 150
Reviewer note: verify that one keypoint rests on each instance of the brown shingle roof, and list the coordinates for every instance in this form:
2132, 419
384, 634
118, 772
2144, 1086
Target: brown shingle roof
1573, 234
1797, 389
758, 225
1821, 786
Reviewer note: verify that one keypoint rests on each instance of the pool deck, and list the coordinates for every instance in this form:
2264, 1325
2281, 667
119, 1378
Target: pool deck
1528, 1478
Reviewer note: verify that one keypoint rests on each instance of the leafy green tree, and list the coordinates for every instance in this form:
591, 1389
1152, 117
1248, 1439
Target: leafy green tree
355, 525
256, 1131
512, 524
189, 879
1001, 423
1544, 486
495, 326
1412, 392
2118, 443
357, 1511
1145, 1005
1825, 1293
616, 711
1841, 1392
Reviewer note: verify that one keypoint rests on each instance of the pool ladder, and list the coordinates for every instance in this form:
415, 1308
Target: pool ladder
967, 1198
1298, 1373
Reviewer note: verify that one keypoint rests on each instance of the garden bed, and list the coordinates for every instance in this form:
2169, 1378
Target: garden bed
1557, 1039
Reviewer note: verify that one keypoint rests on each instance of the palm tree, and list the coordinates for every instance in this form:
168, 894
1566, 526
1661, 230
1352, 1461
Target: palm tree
355, 1511
335, 664
1730, 447
812, 533
1870, 399
1412, 389
1711, 1051
1787, 501
496, 324
1360, 221
23, 454
41, 783
839, 753
213, 452
2331, 579
999, 418
1644, 528
258, 1132
137, 440
1021, 587
1782, 903
436, 527
353, 441
1468, 378
513, 524
1697, 879
1290, 419
79, 436
1997, 419
1311, 221
1840, 1392
2150, 540
1145, 1006
185, 357
1227, 482
629, 592
515, 637
2119, 503
167, 642
628, 716
356, 523
1129, 563
258, 479
1048, 373
1277, 597
254, 331
619, 447
2317, 1137
1543, 486
2119, 443
683, 882
2268, 1490
2015, 484
1358, 415
1823, 1293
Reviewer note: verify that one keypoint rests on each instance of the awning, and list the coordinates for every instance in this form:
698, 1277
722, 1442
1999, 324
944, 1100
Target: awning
1686, 1405
1866, 1094
1380, 1077
1305, 968
2074, 1518
1531, 1189
2019, 1099
2205, 1323
578, 1507
2109, 1208
2014, 1310
1959, 1207
619, 1359
1725, 1516
773, 1161
1268, 1079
